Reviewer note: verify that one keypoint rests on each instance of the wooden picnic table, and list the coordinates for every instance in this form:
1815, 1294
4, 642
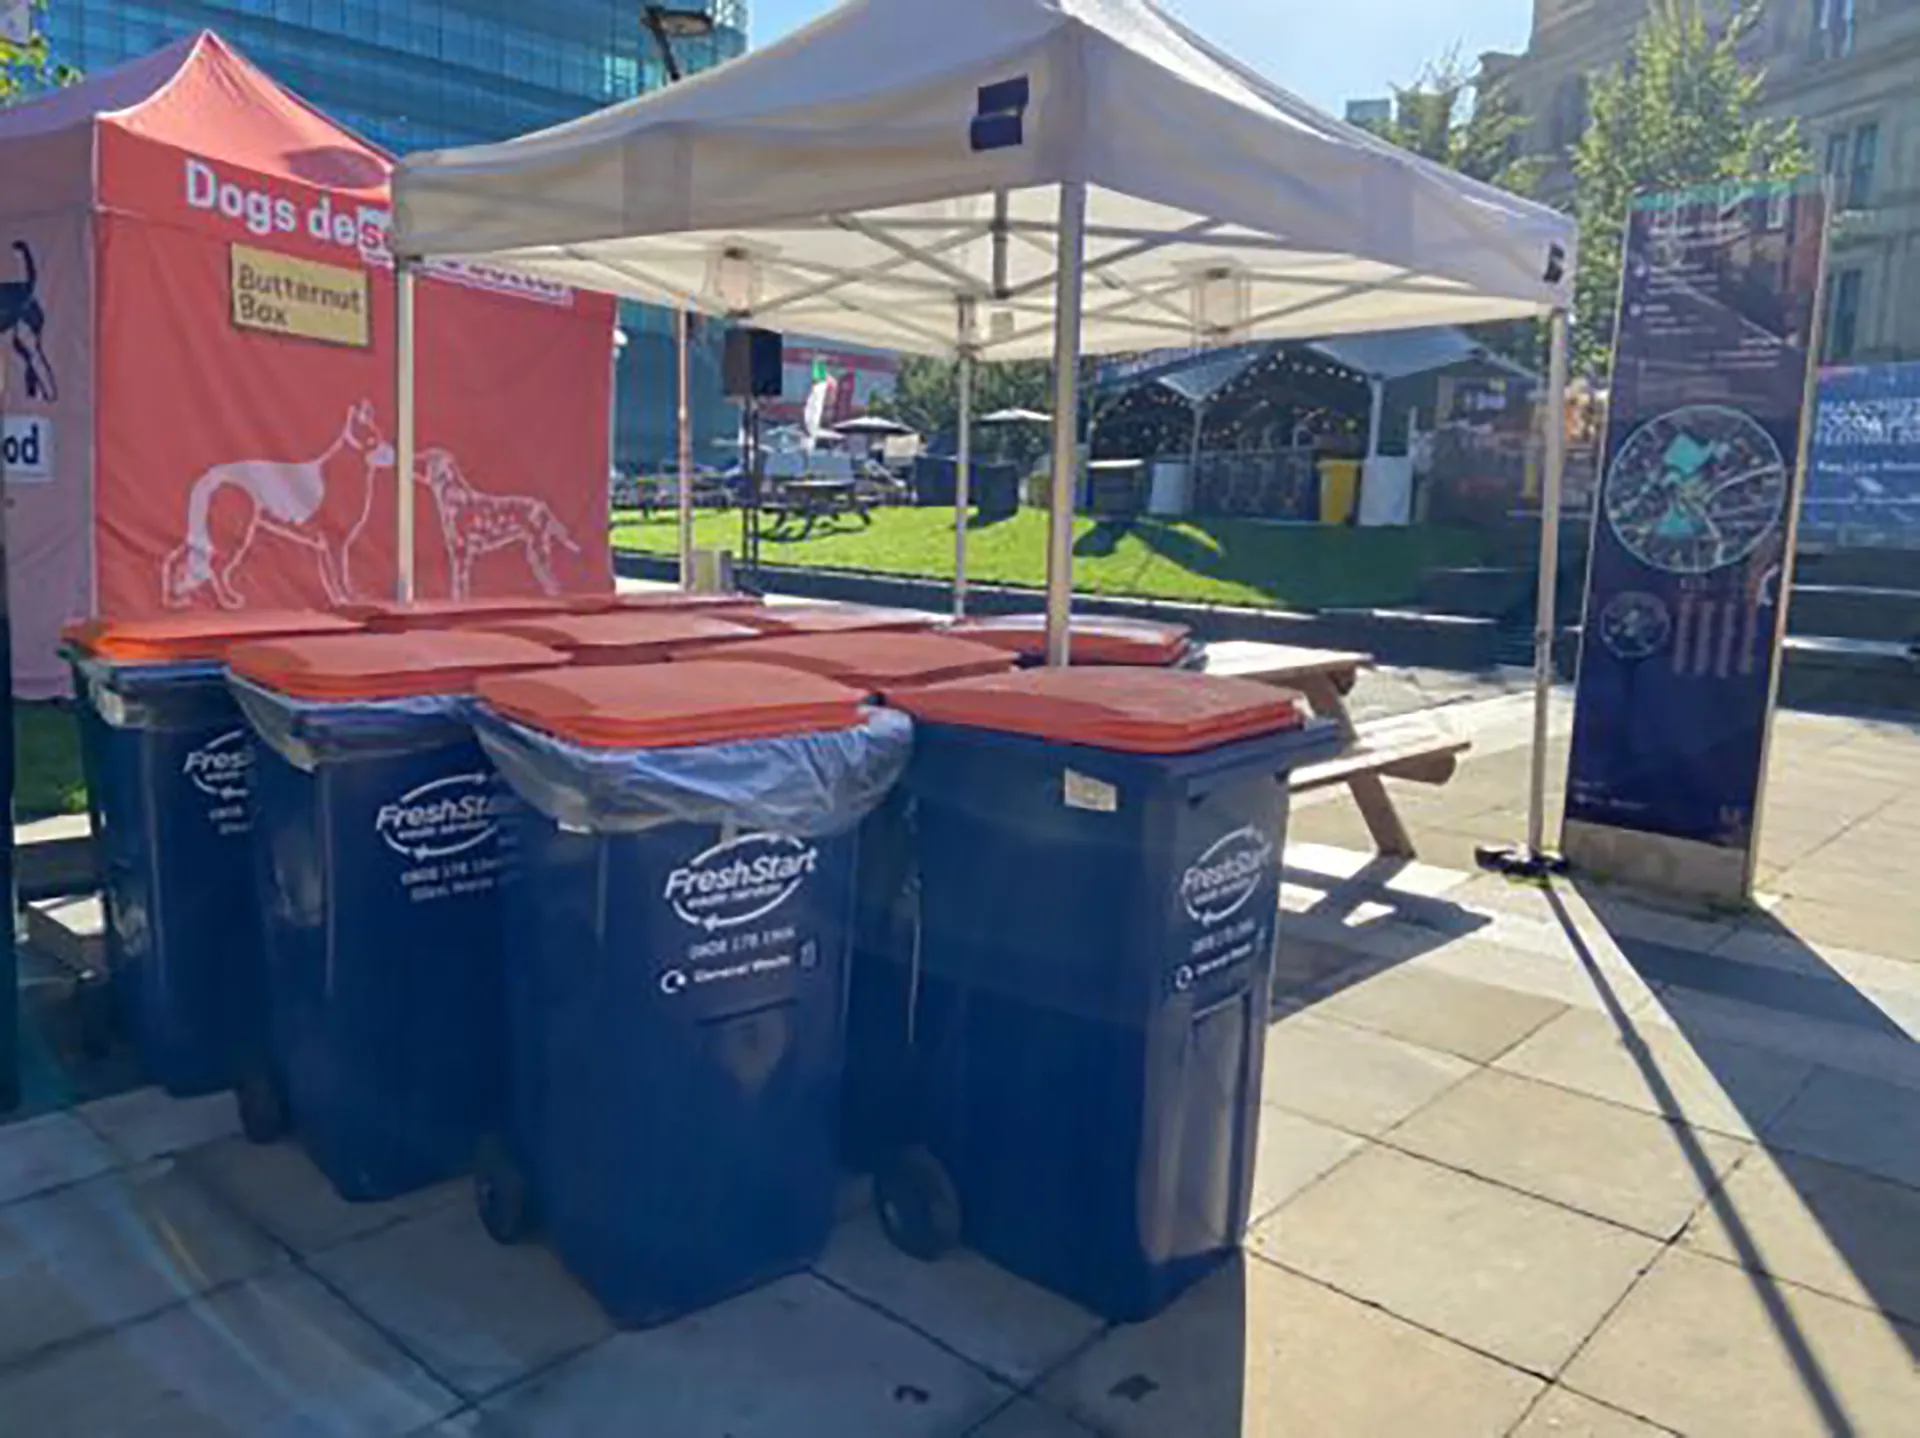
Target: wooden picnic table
1324, 678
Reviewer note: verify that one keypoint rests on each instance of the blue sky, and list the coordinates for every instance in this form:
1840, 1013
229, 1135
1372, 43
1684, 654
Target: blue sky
1328, 51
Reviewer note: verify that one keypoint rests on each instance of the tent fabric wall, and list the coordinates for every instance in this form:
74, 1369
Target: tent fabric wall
46, 300
189, 446
253, 468
49, 437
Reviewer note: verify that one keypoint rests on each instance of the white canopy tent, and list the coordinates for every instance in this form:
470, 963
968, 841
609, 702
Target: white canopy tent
1000, 179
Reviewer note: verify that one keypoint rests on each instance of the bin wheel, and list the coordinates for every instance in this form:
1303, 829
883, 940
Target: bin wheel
93, 1020
918, 1205
263, 1108
501, 1194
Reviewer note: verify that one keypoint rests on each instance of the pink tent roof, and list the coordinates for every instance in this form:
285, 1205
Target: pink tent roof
201, 95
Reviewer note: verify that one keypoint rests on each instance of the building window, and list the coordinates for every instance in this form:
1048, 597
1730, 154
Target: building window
1866, 154
1839, 148
1569, 112
1832, 35
1843, 315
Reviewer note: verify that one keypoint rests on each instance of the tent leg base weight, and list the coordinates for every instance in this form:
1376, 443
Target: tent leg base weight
1520, 861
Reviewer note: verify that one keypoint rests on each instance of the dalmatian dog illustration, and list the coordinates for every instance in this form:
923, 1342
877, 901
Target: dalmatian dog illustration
23, 318
475, 523
321, 504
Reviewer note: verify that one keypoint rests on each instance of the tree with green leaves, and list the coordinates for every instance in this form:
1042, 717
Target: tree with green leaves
1446, 117
26, 68
1681, 111
927, 398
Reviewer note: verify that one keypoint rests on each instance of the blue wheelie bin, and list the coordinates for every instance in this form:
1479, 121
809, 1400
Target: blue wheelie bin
382, 848
168, 763
1099, 884
876, 1092
676, 964
628, 637
1094, 639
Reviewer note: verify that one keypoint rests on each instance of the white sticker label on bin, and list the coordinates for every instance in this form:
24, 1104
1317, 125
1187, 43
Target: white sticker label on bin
1083, 791
1218, 884
221, 767
739, 881
443, 818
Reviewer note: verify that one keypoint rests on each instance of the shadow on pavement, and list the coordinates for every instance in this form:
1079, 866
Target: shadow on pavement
1360, 926
1800, 985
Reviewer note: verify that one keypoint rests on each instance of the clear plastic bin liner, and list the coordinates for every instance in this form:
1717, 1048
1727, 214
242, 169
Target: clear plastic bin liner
149, 696
309, 732
806, 785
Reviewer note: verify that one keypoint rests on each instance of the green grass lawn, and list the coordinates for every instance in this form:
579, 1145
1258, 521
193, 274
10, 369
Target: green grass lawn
1221, 561
46, 762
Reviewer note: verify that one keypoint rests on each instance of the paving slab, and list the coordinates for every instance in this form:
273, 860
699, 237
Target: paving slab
46, 1152
477, 1314
276, 1186
1630, 1168
1355, 1080
797, 1359
1009, 1327
1510, 1275
1727, 1087
1294, 1151
1463, 1017
1825, 1227
1256, 1352
1538, 959
278, 1355
147, 1123
1885, 927
1698, 1348
1872, 1034
1028, 1419
1564, 1414
1860, 1122
1300, 962
115, 1247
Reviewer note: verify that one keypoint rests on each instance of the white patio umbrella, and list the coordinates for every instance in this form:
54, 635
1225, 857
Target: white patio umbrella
999, 179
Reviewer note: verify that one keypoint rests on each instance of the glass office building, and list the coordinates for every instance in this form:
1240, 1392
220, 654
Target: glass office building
426, 74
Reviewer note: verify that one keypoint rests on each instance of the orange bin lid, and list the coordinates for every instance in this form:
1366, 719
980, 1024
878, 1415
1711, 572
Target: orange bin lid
664, 706
678, 601
386, 666
625, 638
879, 661
830, 618
394, 616
1094, 639
199, 635
1137, 710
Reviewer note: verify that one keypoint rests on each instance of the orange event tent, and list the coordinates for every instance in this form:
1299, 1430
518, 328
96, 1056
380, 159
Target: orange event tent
197, 319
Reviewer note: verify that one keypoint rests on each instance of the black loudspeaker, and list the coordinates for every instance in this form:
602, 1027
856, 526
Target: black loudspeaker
753, 364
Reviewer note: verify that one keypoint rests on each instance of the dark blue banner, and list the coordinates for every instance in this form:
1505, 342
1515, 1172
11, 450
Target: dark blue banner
1863, 479
1693, 518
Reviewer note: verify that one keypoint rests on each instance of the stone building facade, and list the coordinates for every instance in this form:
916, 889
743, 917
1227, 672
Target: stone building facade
1848, 70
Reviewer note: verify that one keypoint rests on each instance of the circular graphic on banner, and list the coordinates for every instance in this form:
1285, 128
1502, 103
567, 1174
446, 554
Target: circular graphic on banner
1636, 625
1696, 489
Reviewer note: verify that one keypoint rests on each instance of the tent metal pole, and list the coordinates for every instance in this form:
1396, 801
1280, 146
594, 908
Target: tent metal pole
963, 486
683, 344
1066, 416
404, 440
1547, 611
963, 462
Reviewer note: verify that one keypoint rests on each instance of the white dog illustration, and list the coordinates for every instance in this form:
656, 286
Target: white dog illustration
320, 503
475, 523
